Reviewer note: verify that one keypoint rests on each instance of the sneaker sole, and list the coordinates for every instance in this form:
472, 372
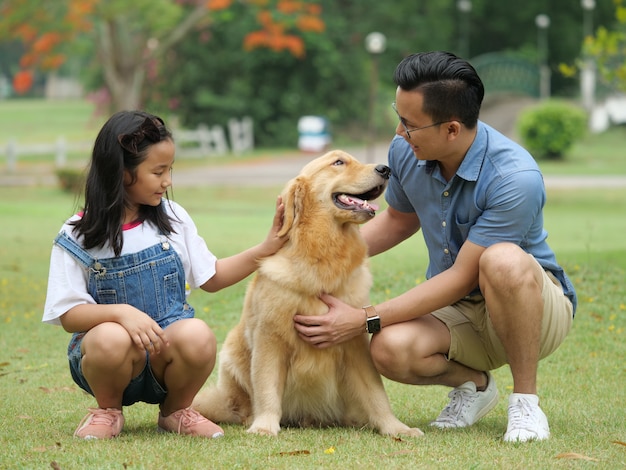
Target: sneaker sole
217, 435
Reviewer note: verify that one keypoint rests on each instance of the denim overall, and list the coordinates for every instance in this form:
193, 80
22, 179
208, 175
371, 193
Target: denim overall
153, 281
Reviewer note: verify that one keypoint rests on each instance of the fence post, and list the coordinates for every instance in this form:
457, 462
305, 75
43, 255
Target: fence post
11, 155
220, 147
241, 135
204, 139
61, 152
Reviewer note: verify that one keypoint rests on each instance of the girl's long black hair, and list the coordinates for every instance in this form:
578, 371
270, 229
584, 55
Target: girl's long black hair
121, 145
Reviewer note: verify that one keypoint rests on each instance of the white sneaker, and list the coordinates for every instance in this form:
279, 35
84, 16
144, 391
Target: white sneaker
467, 406
527, 422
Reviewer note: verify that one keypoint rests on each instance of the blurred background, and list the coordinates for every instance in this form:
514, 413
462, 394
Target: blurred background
246, 72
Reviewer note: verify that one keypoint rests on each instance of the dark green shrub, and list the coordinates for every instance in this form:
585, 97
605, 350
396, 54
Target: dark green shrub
549, 129
71, 180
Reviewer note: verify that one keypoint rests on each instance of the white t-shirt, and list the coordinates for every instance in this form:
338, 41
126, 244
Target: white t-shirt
67, 279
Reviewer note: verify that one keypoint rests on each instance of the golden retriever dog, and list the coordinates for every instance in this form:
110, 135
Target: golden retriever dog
267, 375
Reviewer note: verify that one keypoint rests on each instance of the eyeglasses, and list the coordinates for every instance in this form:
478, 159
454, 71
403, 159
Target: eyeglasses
407, 130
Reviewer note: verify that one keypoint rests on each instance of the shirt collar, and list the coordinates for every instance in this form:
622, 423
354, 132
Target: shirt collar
475, 156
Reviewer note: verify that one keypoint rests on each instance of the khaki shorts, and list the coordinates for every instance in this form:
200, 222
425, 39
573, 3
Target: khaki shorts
474, 342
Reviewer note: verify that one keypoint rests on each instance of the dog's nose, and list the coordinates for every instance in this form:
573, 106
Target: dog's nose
383, 170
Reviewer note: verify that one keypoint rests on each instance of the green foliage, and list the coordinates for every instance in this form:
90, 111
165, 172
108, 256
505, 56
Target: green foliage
71, 180
607, 48
549, 129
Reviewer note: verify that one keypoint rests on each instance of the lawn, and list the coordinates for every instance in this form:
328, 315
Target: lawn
581, 385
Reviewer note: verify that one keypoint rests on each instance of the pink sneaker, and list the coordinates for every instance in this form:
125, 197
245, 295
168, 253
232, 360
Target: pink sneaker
189, 422
100, 424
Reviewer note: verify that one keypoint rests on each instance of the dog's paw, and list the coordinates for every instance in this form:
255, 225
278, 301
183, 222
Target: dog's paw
402, 431
264, 427
412, 432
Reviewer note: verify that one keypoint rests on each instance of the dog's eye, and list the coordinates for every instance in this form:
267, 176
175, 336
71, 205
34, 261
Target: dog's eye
338, 162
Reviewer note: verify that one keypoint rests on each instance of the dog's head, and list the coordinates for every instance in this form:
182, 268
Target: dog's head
335, 184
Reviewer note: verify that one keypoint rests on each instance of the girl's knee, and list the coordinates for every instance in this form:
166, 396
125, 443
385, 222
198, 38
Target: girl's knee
107, 340
193, 339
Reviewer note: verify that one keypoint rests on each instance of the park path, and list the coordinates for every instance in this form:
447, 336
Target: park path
276, 171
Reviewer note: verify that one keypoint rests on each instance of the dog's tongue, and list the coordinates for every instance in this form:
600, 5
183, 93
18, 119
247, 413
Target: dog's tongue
356, 202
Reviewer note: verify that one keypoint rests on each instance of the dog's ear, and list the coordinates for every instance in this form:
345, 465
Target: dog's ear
293, 198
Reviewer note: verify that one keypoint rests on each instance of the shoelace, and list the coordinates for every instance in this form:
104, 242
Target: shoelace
188, 418
520, 413
100, 417
459, 399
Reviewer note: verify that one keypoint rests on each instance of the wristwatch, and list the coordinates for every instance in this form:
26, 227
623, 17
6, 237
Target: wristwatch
372, 322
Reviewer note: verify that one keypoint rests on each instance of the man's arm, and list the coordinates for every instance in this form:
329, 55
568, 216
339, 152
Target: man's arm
343, 321
439, 291
389, 228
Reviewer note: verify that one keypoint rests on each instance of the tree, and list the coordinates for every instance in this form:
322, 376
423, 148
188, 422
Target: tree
608, 49
129, 39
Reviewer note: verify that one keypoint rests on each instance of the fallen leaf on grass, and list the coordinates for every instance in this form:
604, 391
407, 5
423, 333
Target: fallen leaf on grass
295, 452
56, 389
330, 450
57, 445
55, 465
619, 443
575, 456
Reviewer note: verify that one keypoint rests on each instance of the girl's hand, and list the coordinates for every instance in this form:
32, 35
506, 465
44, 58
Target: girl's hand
273, 242
145, 333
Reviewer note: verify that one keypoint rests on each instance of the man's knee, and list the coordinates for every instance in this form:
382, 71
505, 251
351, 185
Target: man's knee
504, 266
384, 352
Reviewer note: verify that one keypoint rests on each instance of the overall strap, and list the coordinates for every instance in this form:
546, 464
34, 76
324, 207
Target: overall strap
74, 249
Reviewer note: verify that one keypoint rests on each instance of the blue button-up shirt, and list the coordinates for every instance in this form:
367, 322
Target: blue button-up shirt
497, 195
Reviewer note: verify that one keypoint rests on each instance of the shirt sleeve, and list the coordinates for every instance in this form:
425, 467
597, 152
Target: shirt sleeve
199, 262
511, 208
67, 286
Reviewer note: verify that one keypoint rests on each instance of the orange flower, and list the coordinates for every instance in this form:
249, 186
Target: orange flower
289, 6
26, 32
218, 4
46, 42
310, 23
314, 9
52, 62
28, 60
22, 81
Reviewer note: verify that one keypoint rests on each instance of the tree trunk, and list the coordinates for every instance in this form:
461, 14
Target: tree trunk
124, 55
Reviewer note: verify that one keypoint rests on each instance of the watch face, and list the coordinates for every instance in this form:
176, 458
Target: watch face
373, 324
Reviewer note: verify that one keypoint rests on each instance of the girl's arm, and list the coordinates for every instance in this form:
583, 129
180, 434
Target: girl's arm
229, 271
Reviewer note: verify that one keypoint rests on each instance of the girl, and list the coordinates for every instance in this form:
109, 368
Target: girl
118, 276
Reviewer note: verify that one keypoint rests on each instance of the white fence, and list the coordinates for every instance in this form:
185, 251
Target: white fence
199, 143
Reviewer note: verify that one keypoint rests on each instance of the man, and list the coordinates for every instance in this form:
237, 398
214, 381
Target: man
494, 292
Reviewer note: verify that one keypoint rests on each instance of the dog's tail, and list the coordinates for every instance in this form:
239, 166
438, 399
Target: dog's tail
220, 406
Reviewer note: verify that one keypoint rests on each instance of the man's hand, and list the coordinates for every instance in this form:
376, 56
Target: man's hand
341, 323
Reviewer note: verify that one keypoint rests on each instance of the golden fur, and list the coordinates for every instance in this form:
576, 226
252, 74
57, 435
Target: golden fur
267, 375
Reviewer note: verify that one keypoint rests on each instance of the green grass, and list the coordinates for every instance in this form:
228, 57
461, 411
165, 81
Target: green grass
582, 385
40, 121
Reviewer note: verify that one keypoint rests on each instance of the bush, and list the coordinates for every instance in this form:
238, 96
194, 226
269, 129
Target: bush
549, 129
71, 180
